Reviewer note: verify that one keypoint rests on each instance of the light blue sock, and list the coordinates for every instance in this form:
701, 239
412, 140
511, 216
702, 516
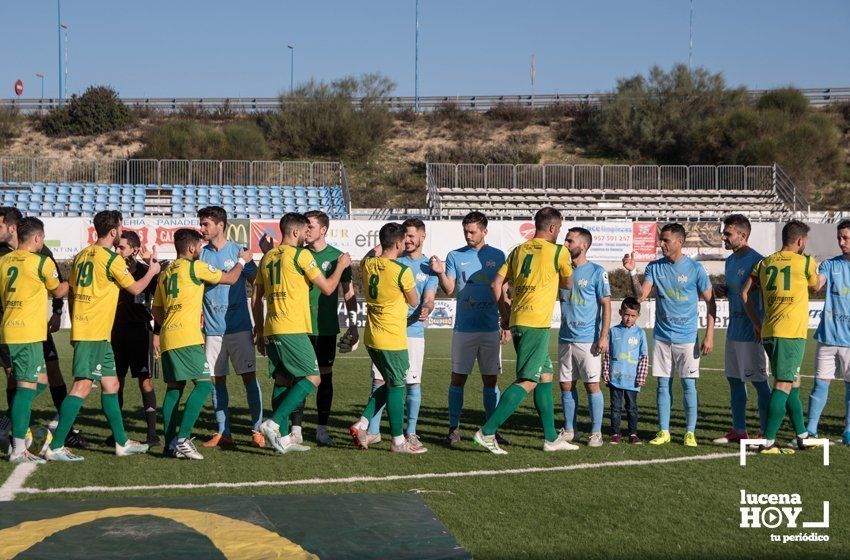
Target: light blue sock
220, 402
569, 399
689, 386
817, 400
491, 400
597, 410
375, 421
411, 406
763, 390
255, 403
663, 402
846, 407
738, 402
455, 406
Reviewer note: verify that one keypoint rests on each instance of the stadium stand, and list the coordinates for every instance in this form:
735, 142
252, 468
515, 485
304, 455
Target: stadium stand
309, 186
630, 192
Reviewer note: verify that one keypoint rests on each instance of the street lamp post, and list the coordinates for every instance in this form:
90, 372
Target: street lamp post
416, 61
41, 77
65, 82
59, 40
291, 68
691, 38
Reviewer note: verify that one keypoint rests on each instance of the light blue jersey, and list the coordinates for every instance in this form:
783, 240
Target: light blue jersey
472, 272
426, 281
581, 313
834, 327
226, 307
625, 347
676, 310
738, 269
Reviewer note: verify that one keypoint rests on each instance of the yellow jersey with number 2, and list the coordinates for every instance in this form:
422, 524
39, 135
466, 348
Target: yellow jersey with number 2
536, 269
180, 291
785, 278
385, 281
97, 275
24, 280
286, 274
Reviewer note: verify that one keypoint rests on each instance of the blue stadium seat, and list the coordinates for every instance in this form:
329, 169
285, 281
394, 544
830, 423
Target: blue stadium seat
99, 206
37, 189
74, 209
113, 199
87, 207
138, 209
126, 208
88, 198
63, 189
76, 189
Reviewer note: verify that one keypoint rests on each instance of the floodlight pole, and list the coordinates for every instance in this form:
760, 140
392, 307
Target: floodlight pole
291, 68
691, 39
59, 38
416, 61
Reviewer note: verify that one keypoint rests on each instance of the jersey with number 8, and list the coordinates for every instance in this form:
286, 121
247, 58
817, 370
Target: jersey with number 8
386, 313
536, 269
180, 292
785, 278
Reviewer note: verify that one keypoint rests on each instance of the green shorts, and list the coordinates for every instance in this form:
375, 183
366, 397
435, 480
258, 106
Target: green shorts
26, 360
185, 364
291, 354
532, 352
391, 364
93, 359
785, 356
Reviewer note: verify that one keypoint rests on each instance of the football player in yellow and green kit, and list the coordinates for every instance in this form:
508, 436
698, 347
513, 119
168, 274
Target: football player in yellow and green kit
390, 287
535, 270
25, 279
284, 279
177, 306
97, 275
785, 278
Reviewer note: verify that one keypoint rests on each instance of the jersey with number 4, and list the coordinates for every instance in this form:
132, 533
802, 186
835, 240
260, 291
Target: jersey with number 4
181, 293
25, 278
385, 282
536, 269
97, 275
286, 274
785, 278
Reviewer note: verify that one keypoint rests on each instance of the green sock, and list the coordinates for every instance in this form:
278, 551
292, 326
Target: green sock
67, 415
278, 394
776, 413
508, 403
39, 389
192, 408
395, 409
21, 406
376, 401
293, 399
795, 411
546, 410
170, 419
109, 402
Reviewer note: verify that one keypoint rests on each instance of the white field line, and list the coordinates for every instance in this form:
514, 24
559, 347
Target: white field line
375, 479
15, 482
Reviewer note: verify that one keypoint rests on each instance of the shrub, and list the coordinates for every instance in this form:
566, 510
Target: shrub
187, 139
320, 119
10, 125
515, 149
96, 111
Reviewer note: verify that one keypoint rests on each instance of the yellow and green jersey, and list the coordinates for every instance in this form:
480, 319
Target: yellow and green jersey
385, 281
180, 291
536, 269
25, 278
785, 278
286, 274
97, 275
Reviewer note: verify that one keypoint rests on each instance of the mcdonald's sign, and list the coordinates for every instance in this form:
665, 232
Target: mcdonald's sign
239, 231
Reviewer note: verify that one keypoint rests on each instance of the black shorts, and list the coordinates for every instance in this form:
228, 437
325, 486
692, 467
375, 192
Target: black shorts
133, 350
325, 347
48, 346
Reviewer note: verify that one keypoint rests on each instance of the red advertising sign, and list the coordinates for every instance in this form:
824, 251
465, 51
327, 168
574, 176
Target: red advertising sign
645, 241
265, 234
527, 230
19, 88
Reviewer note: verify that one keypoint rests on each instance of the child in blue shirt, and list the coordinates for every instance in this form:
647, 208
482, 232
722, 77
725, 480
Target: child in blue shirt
625, 367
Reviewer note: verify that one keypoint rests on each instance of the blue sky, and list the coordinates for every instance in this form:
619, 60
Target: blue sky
214, 48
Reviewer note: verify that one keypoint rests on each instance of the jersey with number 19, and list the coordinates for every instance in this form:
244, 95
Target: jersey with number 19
97, 275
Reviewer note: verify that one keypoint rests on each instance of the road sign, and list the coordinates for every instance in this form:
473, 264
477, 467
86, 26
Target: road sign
19, 88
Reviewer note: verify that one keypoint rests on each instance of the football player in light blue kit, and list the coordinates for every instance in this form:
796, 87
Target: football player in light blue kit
745, 360
833, 333
467, 273
679, 281
228, 332
426, 288
583, 337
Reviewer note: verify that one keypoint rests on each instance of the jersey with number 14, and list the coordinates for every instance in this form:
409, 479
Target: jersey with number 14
286, 274
181, 293
785, 278
536, 269
97, 275
25, 278
385, 282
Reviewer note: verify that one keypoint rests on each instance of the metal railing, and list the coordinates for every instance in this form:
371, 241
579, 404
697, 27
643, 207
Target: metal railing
481, 182
173, 172
815, 96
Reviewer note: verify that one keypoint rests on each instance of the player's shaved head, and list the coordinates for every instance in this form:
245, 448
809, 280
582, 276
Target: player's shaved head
546, 217
106, 221
390, 235
28, 228
291, 222
794, 231
675, 229
184, 239
584, 235
740, 222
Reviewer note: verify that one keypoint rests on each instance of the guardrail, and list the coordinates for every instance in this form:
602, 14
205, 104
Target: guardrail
816, 97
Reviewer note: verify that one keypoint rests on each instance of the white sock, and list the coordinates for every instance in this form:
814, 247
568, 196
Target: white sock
363, 423
397, 440
296, 431
804, 435
769, 442
273, 425
19, 445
